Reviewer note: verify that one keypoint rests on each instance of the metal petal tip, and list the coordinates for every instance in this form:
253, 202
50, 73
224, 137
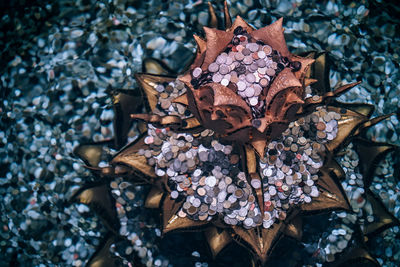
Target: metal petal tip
102, 257
217, 239
124, 104
383, 219
130, 157
332, 196
370, 154
148, 83
172, 222
260, 240
99, 199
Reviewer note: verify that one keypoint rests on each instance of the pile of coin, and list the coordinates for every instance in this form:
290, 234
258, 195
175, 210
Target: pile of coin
205, 174
289, 169
248, 67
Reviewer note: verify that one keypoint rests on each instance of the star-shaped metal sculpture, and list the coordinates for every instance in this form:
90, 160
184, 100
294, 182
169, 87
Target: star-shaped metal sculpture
248, 129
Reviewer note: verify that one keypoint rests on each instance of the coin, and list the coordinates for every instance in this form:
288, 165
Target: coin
256, 183
213, 67
267, 49
196, 72
241, 85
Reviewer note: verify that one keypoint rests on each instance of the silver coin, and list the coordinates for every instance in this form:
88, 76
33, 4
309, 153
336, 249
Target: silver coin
221, 59
239, 56
217, 77
250, 78
196, 72
249, 92
256, 183
253, 101
241, 85
248, 60
246, 52
248, 222
211, 181
213, 67
257, 89
224, 69
224, 82
196, 202
229, 60
262, 70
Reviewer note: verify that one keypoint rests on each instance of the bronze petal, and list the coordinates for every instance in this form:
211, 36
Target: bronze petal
305, 65
370, 154
217, 239
249, 159
332, 196
213, 20
156, 66
273, 36
259, 146
284, 80
153, 199
371, 123
148, 83
91, 153
172, 222
259, 239
129, 156
242, 23
182, 99
102, 257
200, 54
294, 229
99, 199
225, 96
320, 71
227, 16
362, 108
124, 104
383, 218
191, 125
332, 166
217, 41
347, 124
